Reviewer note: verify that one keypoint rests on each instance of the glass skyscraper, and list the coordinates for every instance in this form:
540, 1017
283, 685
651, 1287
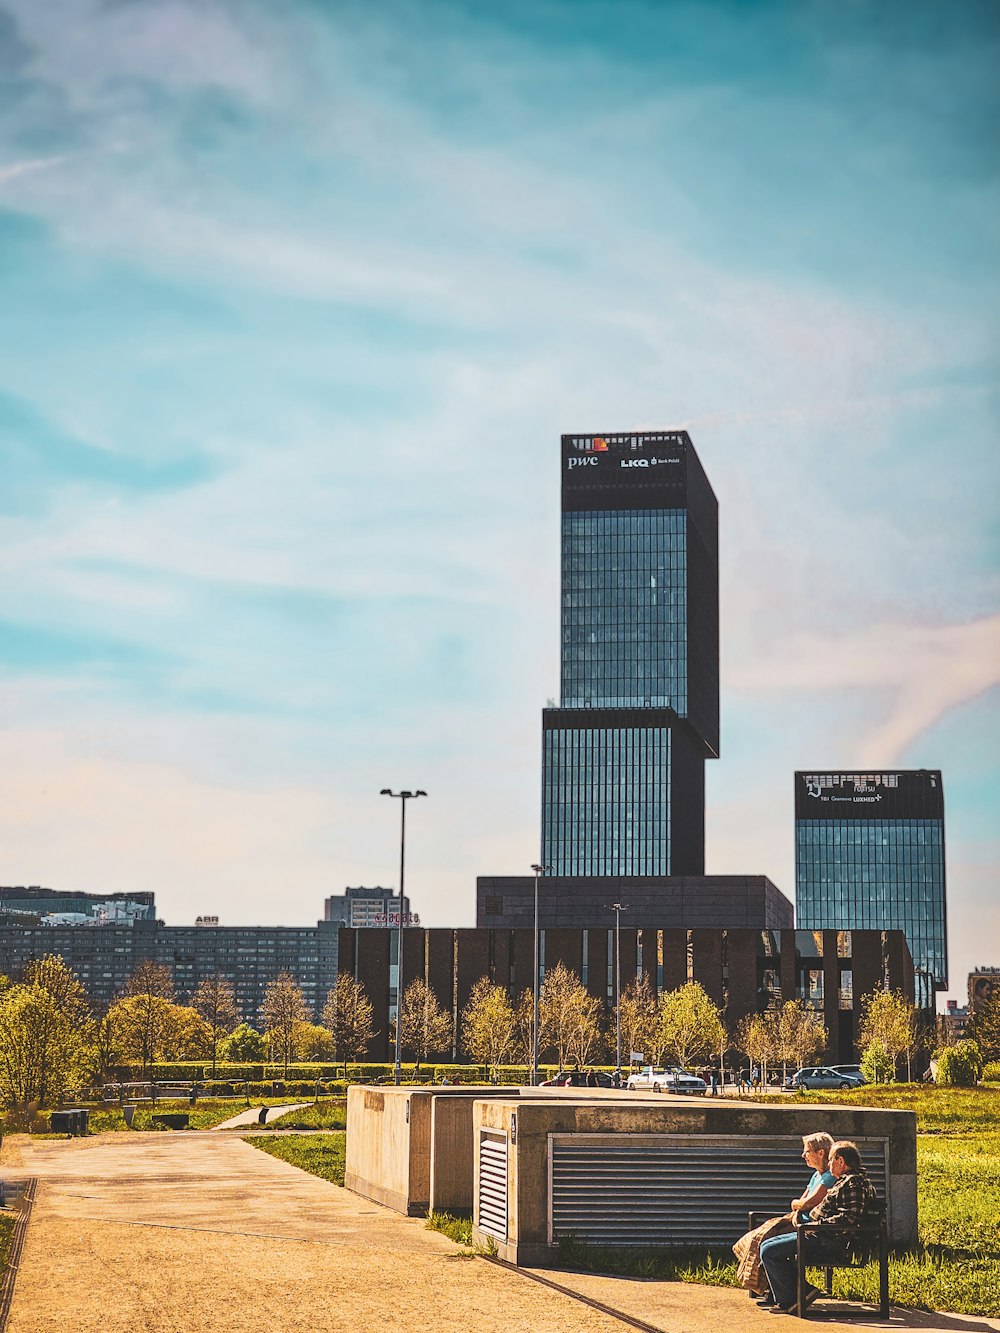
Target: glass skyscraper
623, 755
869, 853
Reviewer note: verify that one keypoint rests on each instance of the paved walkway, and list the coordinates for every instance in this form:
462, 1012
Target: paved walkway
156, 1233
252, 1116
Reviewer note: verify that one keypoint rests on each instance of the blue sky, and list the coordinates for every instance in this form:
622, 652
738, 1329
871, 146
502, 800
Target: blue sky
295, 302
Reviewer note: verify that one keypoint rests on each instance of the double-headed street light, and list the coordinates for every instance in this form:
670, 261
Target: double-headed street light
618, 908
538, 870
402, 797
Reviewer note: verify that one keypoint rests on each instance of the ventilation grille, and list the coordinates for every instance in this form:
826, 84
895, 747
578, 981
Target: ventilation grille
674, 1190
493, 1185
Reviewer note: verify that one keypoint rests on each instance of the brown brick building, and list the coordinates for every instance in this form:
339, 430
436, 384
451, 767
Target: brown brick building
743, 970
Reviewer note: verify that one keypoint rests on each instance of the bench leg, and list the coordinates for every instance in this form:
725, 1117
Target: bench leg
800, 1277
829, 1281
883, 1276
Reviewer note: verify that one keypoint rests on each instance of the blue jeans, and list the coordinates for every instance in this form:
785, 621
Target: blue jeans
778, 1257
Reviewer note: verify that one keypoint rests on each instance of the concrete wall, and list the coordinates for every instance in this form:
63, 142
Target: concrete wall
527, 1124
397, 1146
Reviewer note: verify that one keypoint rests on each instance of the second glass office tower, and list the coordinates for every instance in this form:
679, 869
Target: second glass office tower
869, 852
623, 755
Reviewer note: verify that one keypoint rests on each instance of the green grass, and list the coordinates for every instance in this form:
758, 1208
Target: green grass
458, 1229
938, 1110
7, 1221
319, 1154
329, 1114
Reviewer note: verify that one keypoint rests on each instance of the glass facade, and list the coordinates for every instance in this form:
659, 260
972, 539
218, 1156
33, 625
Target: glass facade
881, 874
623, 787
624, 609
606, 801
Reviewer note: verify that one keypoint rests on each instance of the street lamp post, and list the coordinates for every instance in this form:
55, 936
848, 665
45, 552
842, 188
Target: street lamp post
538, 870
618, 908
402, 797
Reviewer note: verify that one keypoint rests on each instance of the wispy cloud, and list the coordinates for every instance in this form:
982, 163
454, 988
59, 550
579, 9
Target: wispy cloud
11, 171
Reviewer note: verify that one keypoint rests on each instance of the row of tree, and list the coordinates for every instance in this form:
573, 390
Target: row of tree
51, 1043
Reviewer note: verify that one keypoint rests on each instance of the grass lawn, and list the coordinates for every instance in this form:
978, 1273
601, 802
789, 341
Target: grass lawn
956, 1266
320, 1154
328, 1114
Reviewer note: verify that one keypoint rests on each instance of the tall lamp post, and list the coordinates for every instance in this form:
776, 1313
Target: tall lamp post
402, 797
538, 870
618, 908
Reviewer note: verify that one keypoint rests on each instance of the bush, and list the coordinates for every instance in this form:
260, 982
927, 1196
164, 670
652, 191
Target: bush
959, 1065
991, 1072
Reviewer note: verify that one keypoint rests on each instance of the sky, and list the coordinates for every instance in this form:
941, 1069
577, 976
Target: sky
295, 303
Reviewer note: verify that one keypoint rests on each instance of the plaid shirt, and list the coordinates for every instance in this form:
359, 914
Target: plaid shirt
845, 1202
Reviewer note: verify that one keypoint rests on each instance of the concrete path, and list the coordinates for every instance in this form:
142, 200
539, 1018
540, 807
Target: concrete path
252, 1115
156, 1233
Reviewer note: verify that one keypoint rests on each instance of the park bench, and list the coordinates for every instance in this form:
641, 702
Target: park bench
870, 1245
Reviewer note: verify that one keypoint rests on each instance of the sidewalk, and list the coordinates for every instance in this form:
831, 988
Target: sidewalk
252, 1116
152, 1233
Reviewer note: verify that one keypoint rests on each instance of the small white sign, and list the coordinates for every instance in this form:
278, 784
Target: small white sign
636, 1057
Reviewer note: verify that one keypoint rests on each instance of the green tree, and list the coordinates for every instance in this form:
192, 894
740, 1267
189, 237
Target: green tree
426, 1027
43, 1053
876, 1064
984, 1026
889, 1018
64, 1023
348, 1014
243, 1045
147, 1028
283, 1010
690, 1026
489, 1026
215, 1001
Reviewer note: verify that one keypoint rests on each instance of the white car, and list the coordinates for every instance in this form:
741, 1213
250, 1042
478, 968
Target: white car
655, 1078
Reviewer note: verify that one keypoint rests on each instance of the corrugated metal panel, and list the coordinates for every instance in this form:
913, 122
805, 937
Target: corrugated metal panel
493, 1185
676, 1190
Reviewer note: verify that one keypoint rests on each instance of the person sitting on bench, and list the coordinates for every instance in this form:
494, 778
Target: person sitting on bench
839, 1220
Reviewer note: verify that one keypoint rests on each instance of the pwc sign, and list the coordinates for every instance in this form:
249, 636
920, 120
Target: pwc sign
590, 449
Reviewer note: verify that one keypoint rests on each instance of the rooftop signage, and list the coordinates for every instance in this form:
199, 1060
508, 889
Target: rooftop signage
903, 794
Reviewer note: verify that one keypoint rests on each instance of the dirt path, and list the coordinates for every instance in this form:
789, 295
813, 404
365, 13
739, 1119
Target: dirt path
158, 1233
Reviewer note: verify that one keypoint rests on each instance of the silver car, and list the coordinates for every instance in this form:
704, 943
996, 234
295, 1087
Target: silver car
822, 1076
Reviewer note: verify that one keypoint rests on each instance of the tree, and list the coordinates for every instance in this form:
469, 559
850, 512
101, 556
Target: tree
60, 1020
876, 1065
426, 1027
186, 1035
984, 1026
244, 1044
690, 1025
42, 1052
567, 1016
348, 1014
490, 1025
215, 1001
890, 1019
757, 1037
147, 991
284, 1008
637, 1010
313, 1042
801, 1036
147, 1028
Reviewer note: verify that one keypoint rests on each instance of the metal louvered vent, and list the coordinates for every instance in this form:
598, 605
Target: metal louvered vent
676, 1190
493, 1184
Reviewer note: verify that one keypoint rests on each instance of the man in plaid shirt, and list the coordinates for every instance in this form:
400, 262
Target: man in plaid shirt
839, 1218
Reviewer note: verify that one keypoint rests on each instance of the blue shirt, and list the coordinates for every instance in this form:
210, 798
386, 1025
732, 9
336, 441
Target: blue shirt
818, 1178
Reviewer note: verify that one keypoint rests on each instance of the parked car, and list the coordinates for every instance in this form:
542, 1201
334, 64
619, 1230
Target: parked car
655, 1078
822, 1076
561, 1080
650, 1078
853, 1070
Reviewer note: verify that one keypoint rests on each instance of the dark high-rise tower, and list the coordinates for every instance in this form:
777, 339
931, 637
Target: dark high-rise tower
623, 781
869, 853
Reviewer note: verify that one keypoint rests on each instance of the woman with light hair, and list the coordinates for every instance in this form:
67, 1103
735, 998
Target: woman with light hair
816, 1152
